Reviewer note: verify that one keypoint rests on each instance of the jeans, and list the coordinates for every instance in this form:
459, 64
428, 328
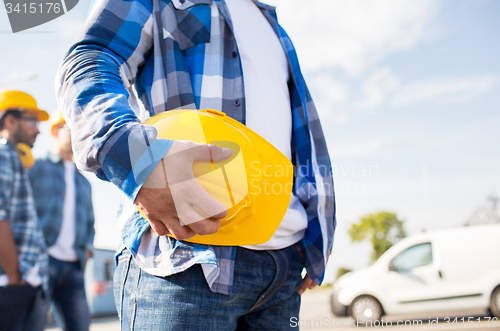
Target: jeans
22, 308
264, 295
66, 284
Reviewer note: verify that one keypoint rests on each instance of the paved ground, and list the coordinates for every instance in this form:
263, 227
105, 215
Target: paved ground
315, 315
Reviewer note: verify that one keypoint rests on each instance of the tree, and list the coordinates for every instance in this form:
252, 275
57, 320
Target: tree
383, 229
342, 271
485, 214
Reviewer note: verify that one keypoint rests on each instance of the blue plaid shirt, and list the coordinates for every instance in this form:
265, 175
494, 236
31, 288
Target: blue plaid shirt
138, 58
17, 207
49, 186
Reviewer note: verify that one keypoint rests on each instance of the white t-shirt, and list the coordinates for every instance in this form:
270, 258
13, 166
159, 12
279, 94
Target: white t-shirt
63, 248
268, 109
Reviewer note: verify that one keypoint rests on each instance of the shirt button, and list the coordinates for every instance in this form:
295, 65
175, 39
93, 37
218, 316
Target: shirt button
237, 103
182, 1
234, 54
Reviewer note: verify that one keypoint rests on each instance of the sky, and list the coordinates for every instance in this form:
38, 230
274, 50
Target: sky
408, 93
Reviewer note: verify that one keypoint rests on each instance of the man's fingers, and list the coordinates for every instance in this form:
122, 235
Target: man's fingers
175, 187
219, 216
187, 215
159, 227
181, 232
198, 152
174, 228
210, 153
198, 223
205, 204
208, 226
307, 283
219, 154
176, 167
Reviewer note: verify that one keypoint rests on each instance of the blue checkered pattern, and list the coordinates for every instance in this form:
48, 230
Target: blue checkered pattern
137, 58
18, 208
49, 186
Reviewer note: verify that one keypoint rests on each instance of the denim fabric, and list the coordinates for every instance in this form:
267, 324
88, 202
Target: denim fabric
264, 295
37, 313
22, 308
68, 293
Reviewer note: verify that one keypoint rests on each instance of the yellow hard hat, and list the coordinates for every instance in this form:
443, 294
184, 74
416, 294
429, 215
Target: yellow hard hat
255, 183
56, 118
12, 99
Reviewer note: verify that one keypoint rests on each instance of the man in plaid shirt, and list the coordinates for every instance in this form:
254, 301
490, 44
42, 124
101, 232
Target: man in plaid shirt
139, 58
63, 201
23, 259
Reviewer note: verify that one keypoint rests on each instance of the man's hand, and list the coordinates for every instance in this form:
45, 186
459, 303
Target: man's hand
88, 255
307, 283
14, 279
8, 254
173, 201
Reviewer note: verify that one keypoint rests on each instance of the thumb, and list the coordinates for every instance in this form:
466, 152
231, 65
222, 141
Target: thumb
211, 153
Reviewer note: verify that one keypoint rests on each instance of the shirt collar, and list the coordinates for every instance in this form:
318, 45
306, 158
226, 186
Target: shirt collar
7, 142
264, 6
54, 158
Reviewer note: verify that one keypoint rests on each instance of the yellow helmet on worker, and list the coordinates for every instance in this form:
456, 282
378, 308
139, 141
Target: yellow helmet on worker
17, 100
56, 119
23, 102
254, 184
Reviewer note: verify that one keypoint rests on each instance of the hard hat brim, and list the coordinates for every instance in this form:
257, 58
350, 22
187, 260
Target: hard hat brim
42, 115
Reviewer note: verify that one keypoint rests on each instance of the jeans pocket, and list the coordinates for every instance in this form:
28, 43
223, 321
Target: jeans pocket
119, 279
299, 247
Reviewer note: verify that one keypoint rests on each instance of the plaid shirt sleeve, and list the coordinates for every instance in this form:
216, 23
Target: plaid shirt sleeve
94, 84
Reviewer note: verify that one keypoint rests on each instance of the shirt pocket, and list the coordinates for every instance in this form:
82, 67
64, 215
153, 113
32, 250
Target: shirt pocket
189, 23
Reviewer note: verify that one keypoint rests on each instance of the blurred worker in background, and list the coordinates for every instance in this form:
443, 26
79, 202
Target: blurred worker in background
23, 258
63, 202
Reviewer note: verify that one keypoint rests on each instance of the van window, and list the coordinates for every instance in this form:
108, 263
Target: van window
109, 269
412, 257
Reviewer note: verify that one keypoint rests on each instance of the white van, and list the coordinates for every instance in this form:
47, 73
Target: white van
434, 272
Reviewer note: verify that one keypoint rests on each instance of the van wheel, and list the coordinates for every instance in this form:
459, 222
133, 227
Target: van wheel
366, 310
495, 302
